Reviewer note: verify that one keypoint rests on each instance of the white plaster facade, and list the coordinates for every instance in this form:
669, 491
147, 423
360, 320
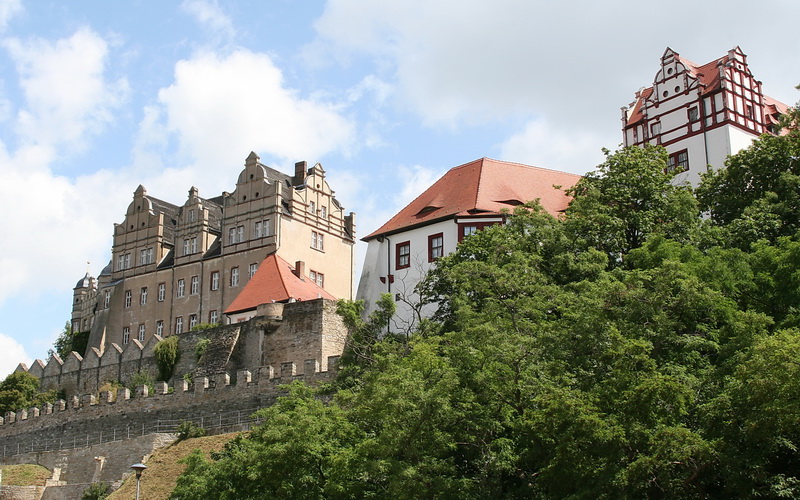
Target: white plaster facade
701, 114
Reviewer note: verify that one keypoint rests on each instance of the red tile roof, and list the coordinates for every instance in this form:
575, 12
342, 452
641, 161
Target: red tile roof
275, 281
707, 75
482, 187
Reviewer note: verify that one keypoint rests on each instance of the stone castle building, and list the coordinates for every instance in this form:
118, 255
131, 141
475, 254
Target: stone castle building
173, 267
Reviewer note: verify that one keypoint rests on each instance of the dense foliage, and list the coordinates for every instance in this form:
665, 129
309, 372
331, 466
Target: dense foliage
20, 390
166, 354
631, 349
68, 341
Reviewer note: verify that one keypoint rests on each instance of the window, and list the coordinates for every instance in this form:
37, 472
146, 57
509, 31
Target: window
128, 298
468, 230
435, 246
160, 328
678, 162
107, 299
76, 325
655, 129
179, 324
143, 296
236, 235
694, 115
186, 247
317, 278
234, 276
257, 229
212, 317
215, 280
323, 211
146, 256
124, 261
312, 208
141, 333
162, 292
126, 335
252, 270
403, 255
748, 110
193, 245
317, 240
191, 215
181, 288
195, 286
266, 228
192, 321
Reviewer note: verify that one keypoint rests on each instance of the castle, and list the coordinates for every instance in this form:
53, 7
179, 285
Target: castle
174, 267
701, 114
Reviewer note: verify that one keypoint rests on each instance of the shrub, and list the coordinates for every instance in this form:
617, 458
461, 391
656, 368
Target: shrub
141, 378
96, 491
166, 354
189, 430
201, 347
204, 326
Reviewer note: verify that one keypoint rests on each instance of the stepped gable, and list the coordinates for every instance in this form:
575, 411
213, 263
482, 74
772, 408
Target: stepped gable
275, 281
483, 186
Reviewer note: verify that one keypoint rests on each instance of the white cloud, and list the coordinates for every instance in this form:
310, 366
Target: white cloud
223, 107
541, 145
8, 9
11, 354
67, 95
210, 15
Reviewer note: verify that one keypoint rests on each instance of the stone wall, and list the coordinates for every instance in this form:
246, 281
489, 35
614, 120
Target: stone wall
288, 333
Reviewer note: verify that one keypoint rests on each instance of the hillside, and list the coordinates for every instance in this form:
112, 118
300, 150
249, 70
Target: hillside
164, 467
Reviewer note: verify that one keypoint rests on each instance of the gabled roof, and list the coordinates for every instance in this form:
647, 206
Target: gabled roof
482, 187
275, 281
707, 75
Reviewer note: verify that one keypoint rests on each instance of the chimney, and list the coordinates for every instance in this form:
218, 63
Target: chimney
300, 169
300, 269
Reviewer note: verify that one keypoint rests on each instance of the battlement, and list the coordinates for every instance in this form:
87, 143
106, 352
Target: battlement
231, 367
221, 387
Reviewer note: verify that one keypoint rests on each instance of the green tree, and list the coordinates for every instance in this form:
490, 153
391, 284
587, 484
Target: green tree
629, 197
68, 341
20, 390
757, 194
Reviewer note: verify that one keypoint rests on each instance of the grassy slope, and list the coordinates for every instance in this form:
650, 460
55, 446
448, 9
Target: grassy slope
163, 468
24, 475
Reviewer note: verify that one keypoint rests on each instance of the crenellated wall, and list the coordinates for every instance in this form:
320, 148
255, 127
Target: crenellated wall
241, 370
282, 333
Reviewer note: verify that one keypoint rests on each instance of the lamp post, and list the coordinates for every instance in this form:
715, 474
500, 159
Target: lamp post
138, 468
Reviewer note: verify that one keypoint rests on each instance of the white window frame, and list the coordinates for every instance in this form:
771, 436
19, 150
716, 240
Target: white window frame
179, 324
160, 328
141, 333
194, 287
162, 292
192, 321
126, 335
213, 317
252, 270
234, 276
215, 280
181, 291
143, 296
128, 298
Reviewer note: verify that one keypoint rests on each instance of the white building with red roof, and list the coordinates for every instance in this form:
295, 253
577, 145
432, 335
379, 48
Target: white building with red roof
466, 199
700, 113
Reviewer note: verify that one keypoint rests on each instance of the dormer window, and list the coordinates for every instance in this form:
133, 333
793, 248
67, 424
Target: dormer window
425, 211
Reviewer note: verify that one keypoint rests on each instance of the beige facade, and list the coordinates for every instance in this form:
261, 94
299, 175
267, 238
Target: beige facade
173, 267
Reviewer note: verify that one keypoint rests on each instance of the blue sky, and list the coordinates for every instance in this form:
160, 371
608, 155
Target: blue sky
97, 97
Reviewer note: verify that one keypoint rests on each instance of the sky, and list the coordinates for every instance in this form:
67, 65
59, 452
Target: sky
98, 97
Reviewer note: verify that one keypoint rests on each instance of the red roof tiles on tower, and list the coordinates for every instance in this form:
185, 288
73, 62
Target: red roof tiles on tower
275, 281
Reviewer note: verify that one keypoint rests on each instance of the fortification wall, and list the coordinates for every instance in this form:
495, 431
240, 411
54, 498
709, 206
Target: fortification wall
211, 402
281, 333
